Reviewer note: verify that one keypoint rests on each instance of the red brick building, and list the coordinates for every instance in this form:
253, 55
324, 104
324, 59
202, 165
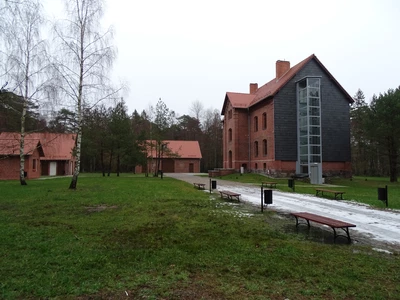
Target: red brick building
175, 157
45, 154
299, 119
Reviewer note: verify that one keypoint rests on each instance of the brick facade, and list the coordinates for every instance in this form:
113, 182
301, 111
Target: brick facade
176, 157
9, 166
260, 131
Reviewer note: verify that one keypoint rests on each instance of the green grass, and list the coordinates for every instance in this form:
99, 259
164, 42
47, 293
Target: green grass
163, 239
358, 189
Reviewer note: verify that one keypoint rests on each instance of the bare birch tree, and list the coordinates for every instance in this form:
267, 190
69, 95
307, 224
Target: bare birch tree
86, 54
197, 109
24, 58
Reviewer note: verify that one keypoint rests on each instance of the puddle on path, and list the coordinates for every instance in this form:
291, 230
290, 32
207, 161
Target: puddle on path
316, 233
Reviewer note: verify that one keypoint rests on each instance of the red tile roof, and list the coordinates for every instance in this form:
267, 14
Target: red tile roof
9, 144
55, 146
243, 100
181, 149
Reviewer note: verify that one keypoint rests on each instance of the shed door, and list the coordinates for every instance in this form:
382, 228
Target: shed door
53, 168
168, 166
191, 168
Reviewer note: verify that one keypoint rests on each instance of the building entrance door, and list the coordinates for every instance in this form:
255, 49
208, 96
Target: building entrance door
53, 168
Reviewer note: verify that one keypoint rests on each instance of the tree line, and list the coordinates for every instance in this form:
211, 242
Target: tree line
115, 141
375, 134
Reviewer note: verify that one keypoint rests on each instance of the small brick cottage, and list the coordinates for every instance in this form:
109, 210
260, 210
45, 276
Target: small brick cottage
298, 119
176, 156
46, 154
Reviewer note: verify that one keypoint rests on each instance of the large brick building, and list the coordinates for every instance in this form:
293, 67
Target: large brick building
299, 119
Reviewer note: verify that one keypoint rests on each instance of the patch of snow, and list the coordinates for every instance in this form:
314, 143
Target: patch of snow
382, 250
379, 225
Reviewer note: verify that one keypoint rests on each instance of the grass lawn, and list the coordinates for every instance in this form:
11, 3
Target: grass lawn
148, 238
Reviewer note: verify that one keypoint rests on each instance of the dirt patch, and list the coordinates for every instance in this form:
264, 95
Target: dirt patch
99, 208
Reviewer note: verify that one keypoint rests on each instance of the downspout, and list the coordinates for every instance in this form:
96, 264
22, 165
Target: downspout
248, 133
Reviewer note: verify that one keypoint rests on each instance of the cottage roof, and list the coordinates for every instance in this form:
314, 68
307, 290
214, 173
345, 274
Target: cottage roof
180, 149
55, 146
243, 100
9, 144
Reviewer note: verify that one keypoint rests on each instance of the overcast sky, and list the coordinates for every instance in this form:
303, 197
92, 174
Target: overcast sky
182, 51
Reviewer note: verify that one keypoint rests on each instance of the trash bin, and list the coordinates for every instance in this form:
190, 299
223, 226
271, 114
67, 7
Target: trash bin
291, 183
267, 196
213, 184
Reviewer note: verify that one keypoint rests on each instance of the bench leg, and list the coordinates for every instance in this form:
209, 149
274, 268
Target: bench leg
298, 223
346, 230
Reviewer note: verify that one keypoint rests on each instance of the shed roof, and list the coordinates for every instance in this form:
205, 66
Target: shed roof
180, 149
10, 144
55, 146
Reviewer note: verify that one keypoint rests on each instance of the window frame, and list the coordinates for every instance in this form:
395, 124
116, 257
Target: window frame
255, 123
264, 121
265, 147
255, 148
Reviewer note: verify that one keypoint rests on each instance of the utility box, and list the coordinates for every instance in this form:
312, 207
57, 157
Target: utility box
316, 173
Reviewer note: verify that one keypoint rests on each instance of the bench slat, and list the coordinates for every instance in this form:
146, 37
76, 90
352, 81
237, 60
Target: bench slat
336, 193
199, 185
270, 184
323, 220
230, 195
334, 224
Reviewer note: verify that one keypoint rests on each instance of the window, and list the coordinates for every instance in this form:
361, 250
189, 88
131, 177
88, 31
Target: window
265, 147
265, 166
34, 164
230, 134
256, 166
309, 122
255, 148
264, 121
255, 123
230, 114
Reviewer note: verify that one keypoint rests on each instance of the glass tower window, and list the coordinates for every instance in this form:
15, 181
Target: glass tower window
309, 123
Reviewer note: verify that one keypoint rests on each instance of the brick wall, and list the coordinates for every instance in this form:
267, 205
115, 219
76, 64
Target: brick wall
9, 167
183, 165
281, 131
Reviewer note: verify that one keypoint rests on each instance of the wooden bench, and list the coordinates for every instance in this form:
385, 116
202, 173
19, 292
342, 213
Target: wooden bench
334, 224
229, 195
269, 184
322, 191
200, 186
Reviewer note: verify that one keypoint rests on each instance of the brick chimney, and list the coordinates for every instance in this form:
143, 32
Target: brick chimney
253, 88
282, 67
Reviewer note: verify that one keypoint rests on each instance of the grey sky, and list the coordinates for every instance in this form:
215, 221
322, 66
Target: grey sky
182, 51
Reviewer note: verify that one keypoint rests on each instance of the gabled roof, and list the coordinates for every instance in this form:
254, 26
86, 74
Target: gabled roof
55, 146
243, 100
9, 144
180, 149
